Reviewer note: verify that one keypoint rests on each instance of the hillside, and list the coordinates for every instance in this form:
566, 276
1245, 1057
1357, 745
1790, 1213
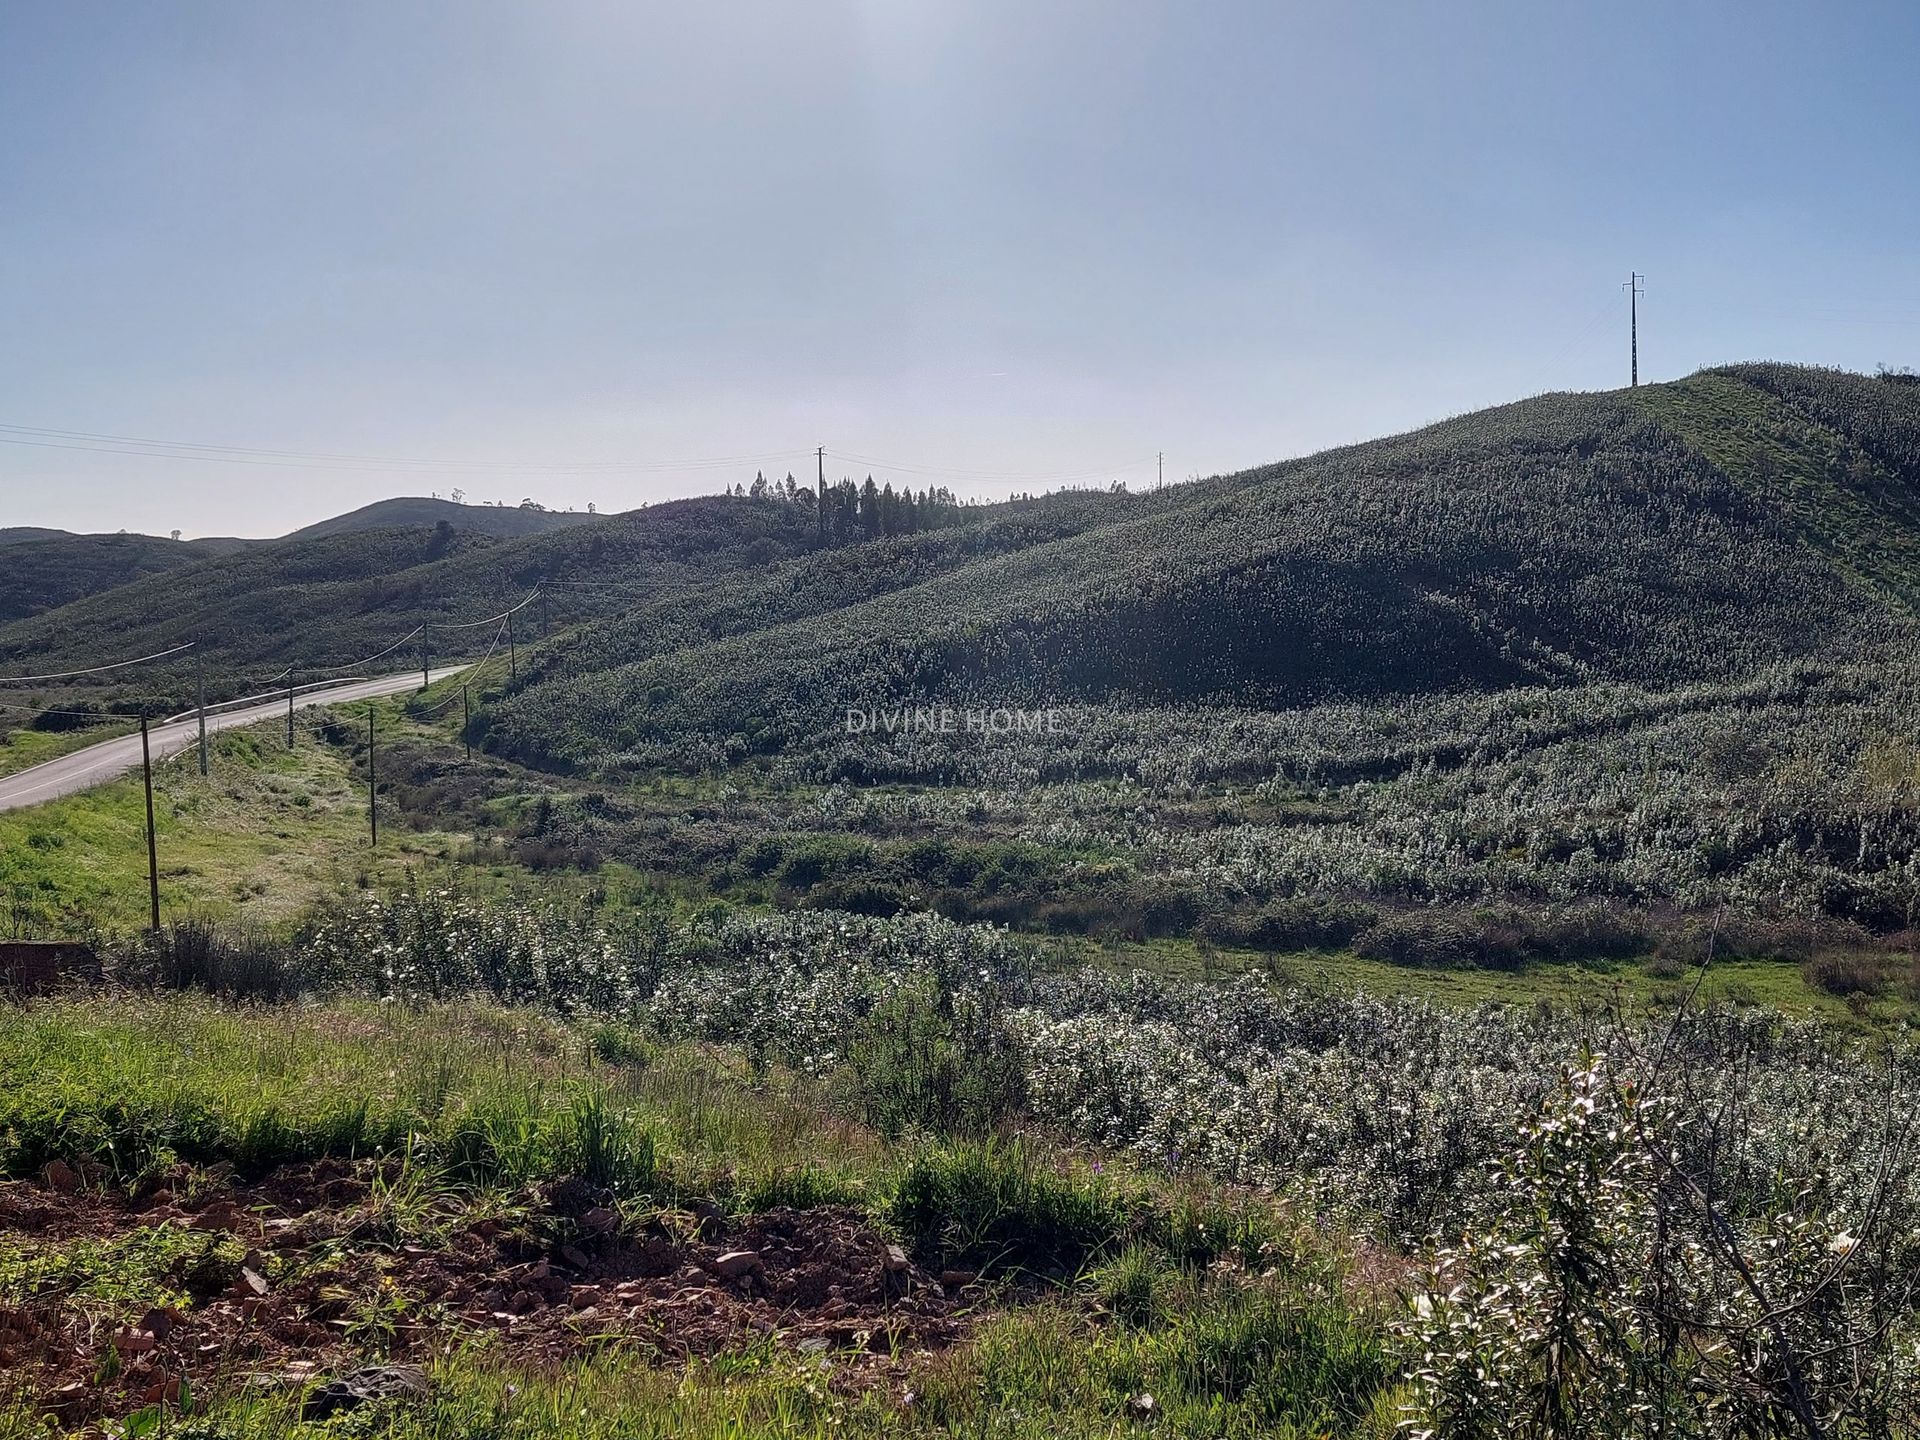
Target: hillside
47, 569
330, 600
503, 522
1567, 539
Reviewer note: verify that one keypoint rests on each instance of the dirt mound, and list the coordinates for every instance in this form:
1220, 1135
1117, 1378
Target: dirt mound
313, 1269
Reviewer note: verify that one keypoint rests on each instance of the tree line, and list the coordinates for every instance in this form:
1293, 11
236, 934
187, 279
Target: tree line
848, 513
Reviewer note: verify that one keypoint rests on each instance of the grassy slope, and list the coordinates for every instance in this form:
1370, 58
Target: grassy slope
44, 574
1559, 539
267, 833
334, 599
139, 1082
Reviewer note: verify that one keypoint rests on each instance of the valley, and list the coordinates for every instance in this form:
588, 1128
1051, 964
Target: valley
1419, 828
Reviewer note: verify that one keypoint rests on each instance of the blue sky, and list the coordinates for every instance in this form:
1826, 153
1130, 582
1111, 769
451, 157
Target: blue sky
576, 247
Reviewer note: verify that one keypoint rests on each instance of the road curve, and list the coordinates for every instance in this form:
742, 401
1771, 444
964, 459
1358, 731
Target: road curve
110, 759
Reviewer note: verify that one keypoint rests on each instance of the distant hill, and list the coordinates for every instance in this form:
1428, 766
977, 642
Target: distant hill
45, 569
1698, 531
325, 601
500, 521
50, 568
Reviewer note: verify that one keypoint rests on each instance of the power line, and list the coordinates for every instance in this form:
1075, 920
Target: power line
532, 595
94, 670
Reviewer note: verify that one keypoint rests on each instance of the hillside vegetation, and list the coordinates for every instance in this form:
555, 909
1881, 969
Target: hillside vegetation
44, 573
503, 522
1565, 540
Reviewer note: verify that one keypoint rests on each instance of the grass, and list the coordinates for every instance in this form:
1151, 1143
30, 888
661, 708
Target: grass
1231, 1362
1779, 984
267, 832
1247, 1328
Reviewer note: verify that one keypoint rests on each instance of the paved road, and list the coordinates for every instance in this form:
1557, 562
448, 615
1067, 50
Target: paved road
113, 758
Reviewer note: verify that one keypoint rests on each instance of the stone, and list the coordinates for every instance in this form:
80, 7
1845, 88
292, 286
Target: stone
736, 1263
895, 1258
957, 1279
60, 1176
600, 1220
157, 1322
371, 1385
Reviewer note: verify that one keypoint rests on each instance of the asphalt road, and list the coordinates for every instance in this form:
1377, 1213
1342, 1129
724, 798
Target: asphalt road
113, 758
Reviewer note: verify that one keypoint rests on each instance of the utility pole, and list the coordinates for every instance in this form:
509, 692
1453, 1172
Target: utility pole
153, 851
289, 709
513, 654
820, 509
200, 701
425, 678
373, 809
466, 721
1160, 483
546, 620
1634, 292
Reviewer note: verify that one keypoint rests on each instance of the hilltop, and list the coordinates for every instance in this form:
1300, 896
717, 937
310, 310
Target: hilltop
505, 522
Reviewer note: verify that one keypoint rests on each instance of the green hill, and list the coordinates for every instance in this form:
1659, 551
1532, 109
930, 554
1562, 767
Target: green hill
327, 601
505, 522
47, 569
1678, 534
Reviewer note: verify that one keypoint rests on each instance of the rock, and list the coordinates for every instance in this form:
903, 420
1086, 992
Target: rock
165, 1390
252, 1281
60, 1176
895, 1258
736, 1263
1143, 1404
129, 1341
220, 1215
600, 1220
575, 1256
710, 1221
372, 1385
957, 1279
157, 1322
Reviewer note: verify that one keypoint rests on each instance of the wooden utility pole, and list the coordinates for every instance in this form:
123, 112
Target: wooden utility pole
1634, 292
373, 809
200, 701
513, 652
153, 849
466, 720
425, 678
1160, 483
289, 709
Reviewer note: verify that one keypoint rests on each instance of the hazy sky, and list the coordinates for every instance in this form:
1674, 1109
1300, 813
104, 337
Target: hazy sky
571, 245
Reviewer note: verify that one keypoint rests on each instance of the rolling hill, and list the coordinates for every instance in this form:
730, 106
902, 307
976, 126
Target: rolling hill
47, 569
1696, 532
327, 601
503, 522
